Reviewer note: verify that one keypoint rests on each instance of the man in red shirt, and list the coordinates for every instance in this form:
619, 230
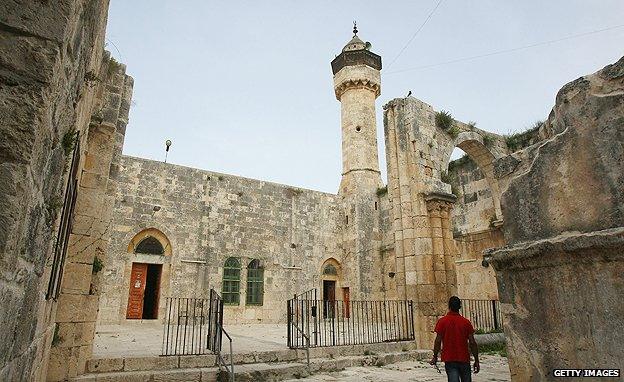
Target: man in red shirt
454, 333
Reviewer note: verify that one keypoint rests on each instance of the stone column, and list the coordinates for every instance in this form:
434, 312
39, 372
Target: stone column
78, 301
560, 278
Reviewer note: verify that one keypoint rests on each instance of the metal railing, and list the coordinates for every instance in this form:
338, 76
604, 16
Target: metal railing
316, 323
186, 329
484, 315
221, 362
192, 326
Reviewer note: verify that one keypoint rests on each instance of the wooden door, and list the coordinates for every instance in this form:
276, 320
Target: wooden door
346, 302
329, 298
136, 295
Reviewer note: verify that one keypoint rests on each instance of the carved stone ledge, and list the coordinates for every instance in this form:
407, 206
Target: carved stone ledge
357, 84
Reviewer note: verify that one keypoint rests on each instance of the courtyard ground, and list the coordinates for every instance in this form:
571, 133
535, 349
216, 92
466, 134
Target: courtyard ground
493, 368
139, 339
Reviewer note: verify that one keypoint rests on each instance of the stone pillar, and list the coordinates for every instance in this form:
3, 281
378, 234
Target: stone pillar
560, 276
78, 301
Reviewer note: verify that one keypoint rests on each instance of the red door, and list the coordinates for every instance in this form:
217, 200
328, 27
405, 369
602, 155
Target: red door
346, 298
138, 277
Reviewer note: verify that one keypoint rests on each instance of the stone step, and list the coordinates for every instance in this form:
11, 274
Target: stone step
129, 364
260, 371
178, 375
290, 370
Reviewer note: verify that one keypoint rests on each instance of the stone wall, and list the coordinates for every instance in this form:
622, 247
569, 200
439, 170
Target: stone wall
425, 212
208, 217
47, 50
475, 229
78, 299
560, 280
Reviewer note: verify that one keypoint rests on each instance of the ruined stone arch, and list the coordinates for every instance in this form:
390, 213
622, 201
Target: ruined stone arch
472, 144
150, 234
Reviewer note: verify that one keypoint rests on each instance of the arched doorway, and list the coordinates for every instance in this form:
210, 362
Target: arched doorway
149, 246
330, 283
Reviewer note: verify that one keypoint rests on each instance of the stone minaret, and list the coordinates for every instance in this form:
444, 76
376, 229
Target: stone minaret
357, 84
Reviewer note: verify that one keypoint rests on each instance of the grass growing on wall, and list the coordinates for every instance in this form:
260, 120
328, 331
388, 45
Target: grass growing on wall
444, 119
518, 141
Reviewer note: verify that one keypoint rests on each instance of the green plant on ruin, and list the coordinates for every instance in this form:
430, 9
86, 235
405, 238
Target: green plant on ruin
97, 265
113, 66
487, 140
53, 206
443, 119
472, 124
430, 145
453, 131
368, 352
494, 349
56, 337
381, 191
518, 141
69, 141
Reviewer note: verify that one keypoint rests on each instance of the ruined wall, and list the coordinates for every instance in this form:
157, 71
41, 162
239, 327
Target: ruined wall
474, 210
560, 279
208, 217
46, 51
90, 230
475, 229
428, 261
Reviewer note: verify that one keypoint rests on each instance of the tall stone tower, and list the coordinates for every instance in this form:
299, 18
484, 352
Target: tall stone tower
357, 83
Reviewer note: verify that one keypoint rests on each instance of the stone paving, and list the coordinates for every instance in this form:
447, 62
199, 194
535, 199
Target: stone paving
139, 339
493, 368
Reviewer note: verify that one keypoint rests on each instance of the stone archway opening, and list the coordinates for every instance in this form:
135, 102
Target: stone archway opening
149, 248
331, 286
476, 216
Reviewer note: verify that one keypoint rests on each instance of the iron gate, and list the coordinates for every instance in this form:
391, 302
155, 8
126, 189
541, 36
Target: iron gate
315, 323
485, 315
192, 326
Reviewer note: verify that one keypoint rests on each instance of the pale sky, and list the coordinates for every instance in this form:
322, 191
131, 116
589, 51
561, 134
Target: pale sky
245, 87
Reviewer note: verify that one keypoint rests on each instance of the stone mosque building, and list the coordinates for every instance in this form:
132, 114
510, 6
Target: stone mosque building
89, 236
179, 231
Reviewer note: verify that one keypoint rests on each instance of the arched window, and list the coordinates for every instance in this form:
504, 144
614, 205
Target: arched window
150, 245
330, 269
255, 283
231, 281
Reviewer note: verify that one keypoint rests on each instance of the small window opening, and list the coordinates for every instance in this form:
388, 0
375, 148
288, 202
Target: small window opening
150, 245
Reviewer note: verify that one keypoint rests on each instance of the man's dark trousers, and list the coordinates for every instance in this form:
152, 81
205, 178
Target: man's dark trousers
458, 371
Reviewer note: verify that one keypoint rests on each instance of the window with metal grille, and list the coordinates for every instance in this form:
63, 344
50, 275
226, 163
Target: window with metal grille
65, 227
255, 283
231, 281
150, 245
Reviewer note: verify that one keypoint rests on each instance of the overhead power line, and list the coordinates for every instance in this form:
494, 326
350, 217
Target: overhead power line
507, 50
415, 33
